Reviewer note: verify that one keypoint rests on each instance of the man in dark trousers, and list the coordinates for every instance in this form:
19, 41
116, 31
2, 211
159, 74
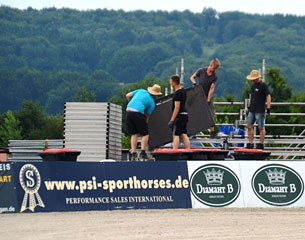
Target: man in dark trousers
179, 118
207, 80
259, 96
141, 105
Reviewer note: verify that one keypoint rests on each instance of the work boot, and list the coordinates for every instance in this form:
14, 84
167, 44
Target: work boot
260, 146
213, 135
134, 156
250, 145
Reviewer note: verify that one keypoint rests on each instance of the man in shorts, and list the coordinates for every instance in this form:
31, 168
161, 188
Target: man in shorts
259, 96
140, 107
207, 80
179, 118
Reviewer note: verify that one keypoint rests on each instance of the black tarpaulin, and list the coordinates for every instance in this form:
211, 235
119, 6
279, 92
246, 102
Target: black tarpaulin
200, 117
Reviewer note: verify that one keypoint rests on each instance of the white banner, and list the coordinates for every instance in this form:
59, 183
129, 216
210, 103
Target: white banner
273, 183
247, 183
215, 184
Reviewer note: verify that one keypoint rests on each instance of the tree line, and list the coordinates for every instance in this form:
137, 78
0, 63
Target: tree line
48, 55
52, 56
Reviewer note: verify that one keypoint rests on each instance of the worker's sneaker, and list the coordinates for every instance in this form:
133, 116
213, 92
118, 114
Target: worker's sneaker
143, 156
260, 146
250, 145
134, 156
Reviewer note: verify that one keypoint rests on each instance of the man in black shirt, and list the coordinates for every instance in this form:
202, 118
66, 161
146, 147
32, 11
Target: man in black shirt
259, 96
179, 118
207, 80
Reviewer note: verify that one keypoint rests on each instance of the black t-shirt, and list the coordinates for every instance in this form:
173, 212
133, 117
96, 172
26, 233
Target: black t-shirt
259, 92
205, 80
180, 96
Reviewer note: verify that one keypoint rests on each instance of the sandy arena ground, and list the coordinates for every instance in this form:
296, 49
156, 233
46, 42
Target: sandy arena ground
157, 224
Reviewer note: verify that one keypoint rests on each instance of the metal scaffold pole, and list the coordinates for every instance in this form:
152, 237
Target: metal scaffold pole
264, 70
182, 72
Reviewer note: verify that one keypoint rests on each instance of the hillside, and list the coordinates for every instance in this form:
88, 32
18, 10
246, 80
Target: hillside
49, 55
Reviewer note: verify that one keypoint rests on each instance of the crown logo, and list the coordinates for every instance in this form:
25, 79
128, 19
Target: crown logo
276, 177
214, 177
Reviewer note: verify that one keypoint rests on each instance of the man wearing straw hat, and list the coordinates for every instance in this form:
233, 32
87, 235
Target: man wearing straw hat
140, 107
259, 95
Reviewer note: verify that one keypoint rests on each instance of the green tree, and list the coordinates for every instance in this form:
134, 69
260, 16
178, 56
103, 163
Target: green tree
53, 127
48, 55
83, 95
300, 97
36, 124
196, 45
10, 129
102, 85
125, 141
280, 92
278, 85
32, 120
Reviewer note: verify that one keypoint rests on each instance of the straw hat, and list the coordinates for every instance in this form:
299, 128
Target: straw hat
254, 74
155, 90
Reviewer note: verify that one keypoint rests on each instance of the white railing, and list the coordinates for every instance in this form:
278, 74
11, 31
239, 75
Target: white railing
282, 147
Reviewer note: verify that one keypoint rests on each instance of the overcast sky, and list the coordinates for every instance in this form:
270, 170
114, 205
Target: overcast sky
296, 7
